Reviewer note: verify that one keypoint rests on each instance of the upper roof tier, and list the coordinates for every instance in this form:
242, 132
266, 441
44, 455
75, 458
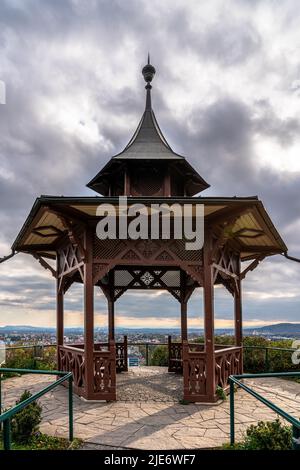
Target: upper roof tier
148, 149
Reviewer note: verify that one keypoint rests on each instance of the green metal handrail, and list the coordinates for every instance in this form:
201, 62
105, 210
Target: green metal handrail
7, 415
236, 380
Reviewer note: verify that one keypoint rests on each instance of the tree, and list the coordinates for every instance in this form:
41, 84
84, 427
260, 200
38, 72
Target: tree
160, 356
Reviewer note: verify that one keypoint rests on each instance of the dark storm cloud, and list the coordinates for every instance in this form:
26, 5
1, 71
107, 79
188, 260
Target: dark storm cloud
227, 41
269, 124
219, 141
230, 44
222, 132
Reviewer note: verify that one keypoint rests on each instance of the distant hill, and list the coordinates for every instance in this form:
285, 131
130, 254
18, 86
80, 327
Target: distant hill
280, 329
24, 329
77, 330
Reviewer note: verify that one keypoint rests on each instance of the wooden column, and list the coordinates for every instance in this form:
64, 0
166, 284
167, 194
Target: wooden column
184, 329
238, 316
89, 316
209, 317
59, 320
127, 186
238, 323
183, 306
111, 319
111, 306
238, 320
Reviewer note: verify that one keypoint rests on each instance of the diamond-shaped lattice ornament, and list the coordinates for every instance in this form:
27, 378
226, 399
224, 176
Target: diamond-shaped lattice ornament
147, 278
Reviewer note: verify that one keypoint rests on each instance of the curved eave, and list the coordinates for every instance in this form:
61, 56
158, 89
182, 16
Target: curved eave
147, 143
101, 181
254, 234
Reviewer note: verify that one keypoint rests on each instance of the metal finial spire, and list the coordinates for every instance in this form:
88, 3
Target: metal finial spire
148, 74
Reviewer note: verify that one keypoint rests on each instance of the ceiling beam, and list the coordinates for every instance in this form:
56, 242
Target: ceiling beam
260, 249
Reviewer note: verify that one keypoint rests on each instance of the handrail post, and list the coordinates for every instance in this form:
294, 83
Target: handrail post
6, 434
232, 437
267, 365
70, 408
296, 438
125, 365
147, 354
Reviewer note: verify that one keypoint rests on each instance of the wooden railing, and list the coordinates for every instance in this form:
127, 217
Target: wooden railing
228, 361
190, 358
175, 356
121, 356
71, 359
194, 373
105, 374
121, 353
108, 358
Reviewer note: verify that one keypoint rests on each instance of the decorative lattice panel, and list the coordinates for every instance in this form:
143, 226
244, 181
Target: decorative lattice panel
171, 278
147, 181
122, 278
107, 249
178, 248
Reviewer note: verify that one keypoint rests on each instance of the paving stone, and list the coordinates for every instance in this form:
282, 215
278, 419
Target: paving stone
156, 420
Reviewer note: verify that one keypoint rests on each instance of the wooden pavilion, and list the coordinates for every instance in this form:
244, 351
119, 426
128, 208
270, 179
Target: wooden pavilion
147, 171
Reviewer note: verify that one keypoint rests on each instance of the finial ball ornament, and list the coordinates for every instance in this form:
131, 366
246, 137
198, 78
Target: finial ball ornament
148, 72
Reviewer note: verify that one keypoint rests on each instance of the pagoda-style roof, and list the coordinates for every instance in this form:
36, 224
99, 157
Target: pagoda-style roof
148, 144
252, 232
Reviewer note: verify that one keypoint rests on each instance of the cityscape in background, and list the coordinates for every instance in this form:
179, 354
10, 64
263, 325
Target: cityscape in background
142, 342
30, 335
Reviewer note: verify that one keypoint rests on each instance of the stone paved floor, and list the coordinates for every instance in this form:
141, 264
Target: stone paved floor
153, 424
149, 384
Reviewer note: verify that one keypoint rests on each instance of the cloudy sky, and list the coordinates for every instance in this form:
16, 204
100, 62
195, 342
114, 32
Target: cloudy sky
226, 94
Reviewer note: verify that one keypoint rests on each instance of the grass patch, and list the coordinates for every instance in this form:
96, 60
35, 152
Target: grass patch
182, 401
42, 441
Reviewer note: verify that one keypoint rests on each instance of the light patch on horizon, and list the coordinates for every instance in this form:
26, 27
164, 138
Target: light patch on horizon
74, 319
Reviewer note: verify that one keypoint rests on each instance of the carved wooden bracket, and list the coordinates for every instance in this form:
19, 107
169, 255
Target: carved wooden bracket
45, 264
251, 266
225, 235
74, 239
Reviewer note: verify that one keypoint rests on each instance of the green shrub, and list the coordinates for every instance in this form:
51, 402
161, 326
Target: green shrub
268, 435
278, 361
23, 358
220, 392
160, 356
255, 359
26, 422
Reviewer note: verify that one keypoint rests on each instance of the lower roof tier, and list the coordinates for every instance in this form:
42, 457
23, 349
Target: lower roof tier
244, 222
